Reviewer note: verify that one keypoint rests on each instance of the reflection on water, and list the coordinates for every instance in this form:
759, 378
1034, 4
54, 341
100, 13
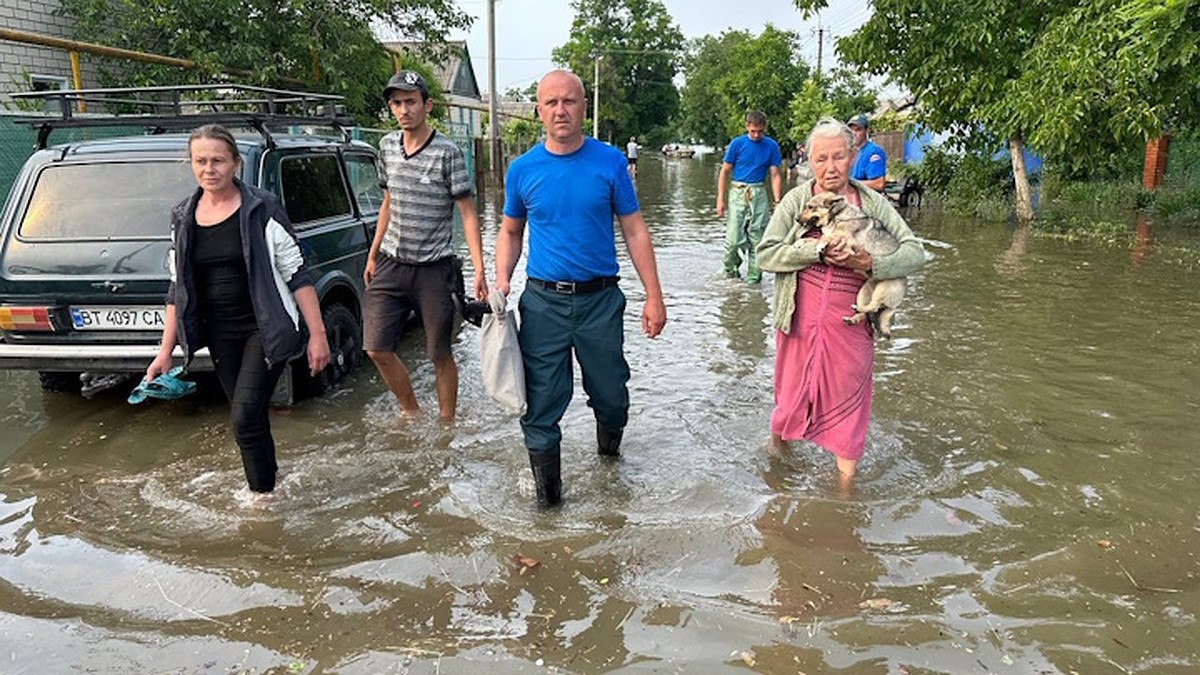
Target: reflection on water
1024, 504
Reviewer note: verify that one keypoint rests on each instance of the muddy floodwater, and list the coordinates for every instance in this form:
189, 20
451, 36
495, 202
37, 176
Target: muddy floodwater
1027, 503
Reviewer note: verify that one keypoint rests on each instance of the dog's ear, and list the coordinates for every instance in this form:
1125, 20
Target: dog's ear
836, 205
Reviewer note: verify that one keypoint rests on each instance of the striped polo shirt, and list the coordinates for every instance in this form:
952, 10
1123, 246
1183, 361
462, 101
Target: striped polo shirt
423, 187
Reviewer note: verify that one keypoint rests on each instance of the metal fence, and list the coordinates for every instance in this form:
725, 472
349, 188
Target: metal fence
17, 142
459, 133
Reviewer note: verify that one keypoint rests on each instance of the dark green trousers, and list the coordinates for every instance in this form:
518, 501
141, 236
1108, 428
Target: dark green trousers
554, 327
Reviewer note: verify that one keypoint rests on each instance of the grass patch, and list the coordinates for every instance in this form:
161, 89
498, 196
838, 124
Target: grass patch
1177, 202
1074, 226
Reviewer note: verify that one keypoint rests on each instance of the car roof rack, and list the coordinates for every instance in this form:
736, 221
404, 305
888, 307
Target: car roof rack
183, 107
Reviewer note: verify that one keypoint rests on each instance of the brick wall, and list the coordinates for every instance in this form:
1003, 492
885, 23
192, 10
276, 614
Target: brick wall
1156, 162
19, 60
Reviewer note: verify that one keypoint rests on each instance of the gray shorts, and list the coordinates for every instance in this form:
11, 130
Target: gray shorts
396, 290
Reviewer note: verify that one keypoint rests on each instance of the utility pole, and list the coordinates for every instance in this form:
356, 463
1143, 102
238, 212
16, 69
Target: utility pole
820, 45
596, 100
496, 163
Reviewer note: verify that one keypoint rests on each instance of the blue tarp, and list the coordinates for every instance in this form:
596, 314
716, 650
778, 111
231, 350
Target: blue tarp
917, 138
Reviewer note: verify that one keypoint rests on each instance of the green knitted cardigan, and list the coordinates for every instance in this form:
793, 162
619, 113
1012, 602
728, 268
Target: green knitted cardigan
784, 252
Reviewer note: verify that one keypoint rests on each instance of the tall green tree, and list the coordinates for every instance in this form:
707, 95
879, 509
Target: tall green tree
1106, 76
703, 114
726, 76
810, 104
527, 94
327, 44
841, 95
639, 48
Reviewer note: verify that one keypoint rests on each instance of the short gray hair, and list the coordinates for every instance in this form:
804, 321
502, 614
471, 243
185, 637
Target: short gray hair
828, 127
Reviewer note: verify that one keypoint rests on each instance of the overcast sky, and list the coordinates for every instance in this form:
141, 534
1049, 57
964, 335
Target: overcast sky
528, 30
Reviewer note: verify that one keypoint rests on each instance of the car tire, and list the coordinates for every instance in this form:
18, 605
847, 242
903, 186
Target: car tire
344, 333
67, 383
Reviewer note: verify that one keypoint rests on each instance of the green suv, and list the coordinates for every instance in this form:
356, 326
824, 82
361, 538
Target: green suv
84, 237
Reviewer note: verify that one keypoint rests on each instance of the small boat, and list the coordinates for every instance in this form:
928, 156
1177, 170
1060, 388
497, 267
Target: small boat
678, 152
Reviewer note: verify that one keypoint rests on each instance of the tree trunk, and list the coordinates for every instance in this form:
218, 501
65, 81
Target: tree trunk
1023, 197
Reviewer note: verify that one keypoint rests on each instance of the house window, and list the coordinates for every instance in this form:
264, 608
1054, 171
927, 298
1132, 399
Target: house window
47, 82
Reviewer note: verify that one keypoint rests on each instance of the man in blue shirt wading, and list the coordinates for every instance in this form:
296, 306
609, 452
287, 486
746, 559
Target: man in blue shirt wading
870, 165
749, 159
568, 189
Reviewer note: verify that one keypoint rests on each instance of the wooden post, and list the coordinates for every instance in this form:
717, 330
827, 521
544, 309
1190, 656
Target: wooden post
1155, 164
480, 174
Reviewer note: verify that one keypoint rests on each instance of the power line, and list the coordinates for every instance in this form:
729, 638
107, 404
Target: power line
849, 20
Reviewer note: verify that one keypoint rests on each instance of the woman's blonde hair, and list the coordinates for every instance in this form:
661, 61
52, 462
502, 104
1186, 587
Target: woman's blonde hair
215, 132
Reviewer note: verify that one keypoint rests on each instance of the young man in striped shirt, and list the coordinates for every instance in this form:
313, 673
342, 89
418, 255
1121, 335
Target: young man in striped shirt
411, 263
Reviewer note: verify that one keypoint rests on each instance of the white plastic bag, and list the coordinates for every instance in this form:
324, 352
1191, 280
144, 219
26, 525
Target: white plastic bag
500, 356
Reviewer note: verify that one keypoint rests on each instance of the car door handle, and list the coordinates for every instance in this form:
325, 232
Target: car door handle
110, 286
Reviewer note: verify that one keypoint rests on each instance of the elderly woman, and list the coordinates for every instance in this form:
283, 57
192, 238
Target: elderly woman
823, 367
239, 286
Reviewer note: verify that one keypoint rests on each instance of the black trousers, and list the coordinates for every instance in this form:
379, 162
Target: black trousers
249, 383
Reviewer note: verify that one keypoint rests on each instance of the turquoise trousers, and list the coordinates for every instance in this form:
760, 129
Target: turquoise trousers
748, 211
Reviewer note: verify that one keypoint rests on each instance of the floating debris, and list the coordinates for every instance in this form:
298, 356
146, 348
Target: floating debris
876, 603
525, 563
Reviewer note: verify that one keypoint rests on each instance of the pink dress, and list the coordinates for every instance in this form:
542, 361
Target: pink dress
824, 368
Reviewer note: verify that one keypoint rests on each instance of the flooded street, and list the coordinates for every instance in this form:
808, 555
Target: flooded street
1027, 502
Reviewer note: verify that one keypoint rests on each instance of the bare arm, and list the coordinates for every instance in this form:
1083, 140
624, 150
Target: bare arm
470, 225
641, 252
722, 178
385, 215
508, 251
776, 185
875, 183
318, 344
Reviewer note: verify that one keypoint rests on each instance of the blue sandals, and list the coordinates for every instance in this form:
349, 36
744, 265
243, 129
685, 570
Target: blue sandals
167, 387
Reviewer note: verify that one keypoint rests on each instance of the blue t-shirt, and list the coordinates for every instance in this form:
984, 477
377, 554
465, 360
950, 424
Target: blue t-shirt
871, 162
751, 159
568, 202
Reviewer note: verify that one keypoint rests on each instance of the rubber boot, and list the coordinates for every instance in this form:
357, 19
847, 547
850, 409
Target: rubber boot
608, 441
547, 476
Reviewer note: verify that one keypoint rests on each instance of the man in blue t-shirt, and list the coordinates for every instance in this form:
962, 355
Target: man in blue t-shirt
870, 165
568, 189
749, 159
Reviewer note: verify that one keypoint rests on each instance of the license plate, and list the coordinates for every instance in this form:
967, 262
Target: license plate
117, 318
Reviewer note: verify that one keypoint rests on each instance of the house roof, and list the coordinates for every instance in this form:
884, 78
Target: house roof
452, 67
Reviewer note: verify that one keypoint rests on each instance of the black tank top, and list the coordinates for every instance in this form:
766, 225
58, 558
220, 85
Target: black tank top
222, 283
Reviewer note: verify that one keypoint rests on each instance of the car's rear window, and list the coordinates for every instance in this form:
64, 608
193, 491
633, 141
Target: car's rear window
117, 200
